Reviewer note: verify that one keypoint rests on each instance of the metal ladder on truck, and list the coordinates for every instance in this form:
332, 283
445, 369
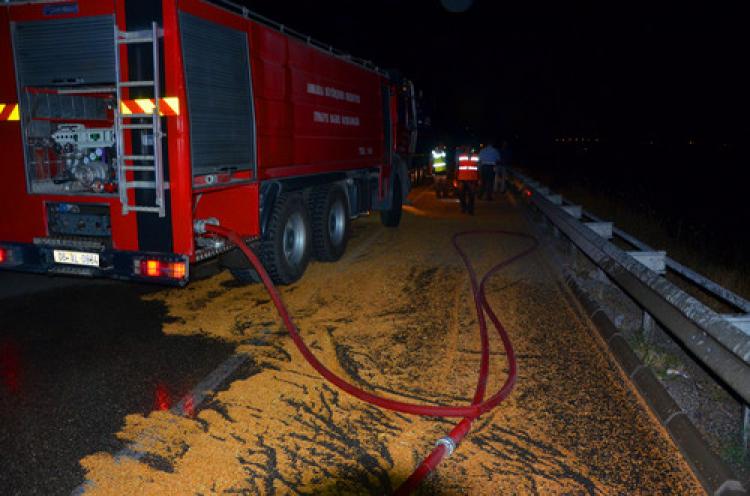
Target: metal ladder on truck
144, 123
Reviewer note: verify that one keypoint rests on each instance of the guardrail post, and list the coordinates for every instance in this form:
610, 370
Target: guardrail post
575, 210
654, 260
740, 321
603, 229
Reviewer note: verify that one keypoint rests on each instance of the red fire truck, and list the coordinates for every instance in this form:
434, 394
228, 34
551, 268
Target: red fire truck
127, 125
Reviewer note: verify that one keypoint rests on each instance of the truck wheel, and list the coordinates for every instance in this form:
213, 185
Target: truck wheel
392, 216
329, 216
285, 251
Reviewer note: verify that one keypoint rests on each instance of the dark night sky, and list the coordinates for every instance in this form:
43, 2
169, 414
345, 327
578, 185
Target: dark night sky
630, 71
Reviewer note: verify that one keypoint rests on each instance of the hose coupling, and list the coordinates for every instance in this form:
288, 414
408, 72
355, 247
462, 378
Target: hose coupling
449, 443
199, 225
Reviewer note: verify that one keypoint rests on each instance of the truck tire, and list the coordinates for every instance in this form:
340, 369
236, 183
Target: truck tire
331, 223
285, 249
392, 216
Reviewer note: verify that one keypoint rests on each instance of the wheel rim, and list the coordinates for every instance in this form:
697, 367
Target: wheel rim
295, 239
336, 223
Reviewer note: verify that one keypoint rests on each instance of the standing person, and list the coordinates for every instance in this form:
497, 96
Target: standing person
439, 166
467, 174
489, 157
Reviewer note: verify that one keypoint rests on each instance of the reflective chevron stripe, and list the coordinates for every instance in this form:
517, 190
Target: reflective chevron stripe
168, 106
9, 112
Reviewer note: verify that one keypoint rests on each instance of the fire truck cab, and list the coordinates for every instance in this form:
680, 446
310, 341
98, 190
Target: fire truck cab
127, 125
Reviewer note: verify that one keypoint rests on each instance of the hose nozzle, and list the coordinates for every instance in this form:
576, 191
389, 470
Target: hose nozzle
448, 443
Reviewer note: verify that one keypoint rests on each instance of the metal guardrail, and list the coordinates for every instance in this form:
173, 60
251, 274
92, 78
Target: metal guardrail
719, 342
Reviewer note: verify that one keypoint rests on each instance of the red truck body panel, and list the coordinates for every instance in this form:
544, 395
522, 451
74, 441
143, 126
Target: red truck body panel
315, 112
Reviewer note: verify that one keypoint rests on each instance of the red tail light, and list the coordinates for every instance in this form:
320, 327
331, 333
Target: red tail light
160, 268
178, 269
153, 268
3, 255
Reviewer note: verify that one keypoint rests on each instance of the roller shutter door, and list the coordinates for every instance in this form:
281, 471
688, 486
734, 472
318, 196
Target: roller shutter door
65, 52
217, 75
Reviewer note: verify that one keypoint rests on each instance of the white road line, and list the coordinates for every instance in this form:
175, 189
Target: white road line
208, 386
186, 406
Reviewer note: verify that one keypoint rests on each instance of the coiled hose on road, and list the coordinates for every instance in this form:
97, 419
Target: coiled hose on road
479, 405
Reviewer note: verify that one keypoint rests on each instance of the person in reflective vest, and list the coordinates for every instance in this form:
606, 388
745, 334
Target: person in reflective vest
439, 167
467, 175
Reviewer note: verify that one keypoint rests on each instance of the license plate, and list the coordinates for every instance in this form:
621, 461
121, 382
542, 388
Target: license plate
76, 258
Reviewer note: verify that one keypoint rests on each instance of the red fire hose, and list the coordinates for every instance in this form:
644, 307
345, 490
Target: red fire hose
479, 405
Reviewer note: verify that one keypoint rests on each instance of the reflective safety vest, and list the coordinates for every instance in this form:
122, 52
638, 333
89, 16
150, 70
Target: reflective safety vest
468, 167
439, 164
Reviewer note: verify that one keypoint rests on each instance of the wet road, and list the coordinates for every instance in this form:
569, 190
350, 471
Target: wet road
89, 364
75, 359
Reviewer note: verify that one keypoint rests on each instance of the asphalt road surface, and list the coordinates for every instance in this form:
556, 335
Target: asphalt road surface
90, 368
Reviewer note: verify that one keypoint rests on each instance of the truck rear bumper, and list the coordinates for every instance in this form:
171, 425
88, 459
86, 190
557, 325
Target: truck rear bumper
40, 258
